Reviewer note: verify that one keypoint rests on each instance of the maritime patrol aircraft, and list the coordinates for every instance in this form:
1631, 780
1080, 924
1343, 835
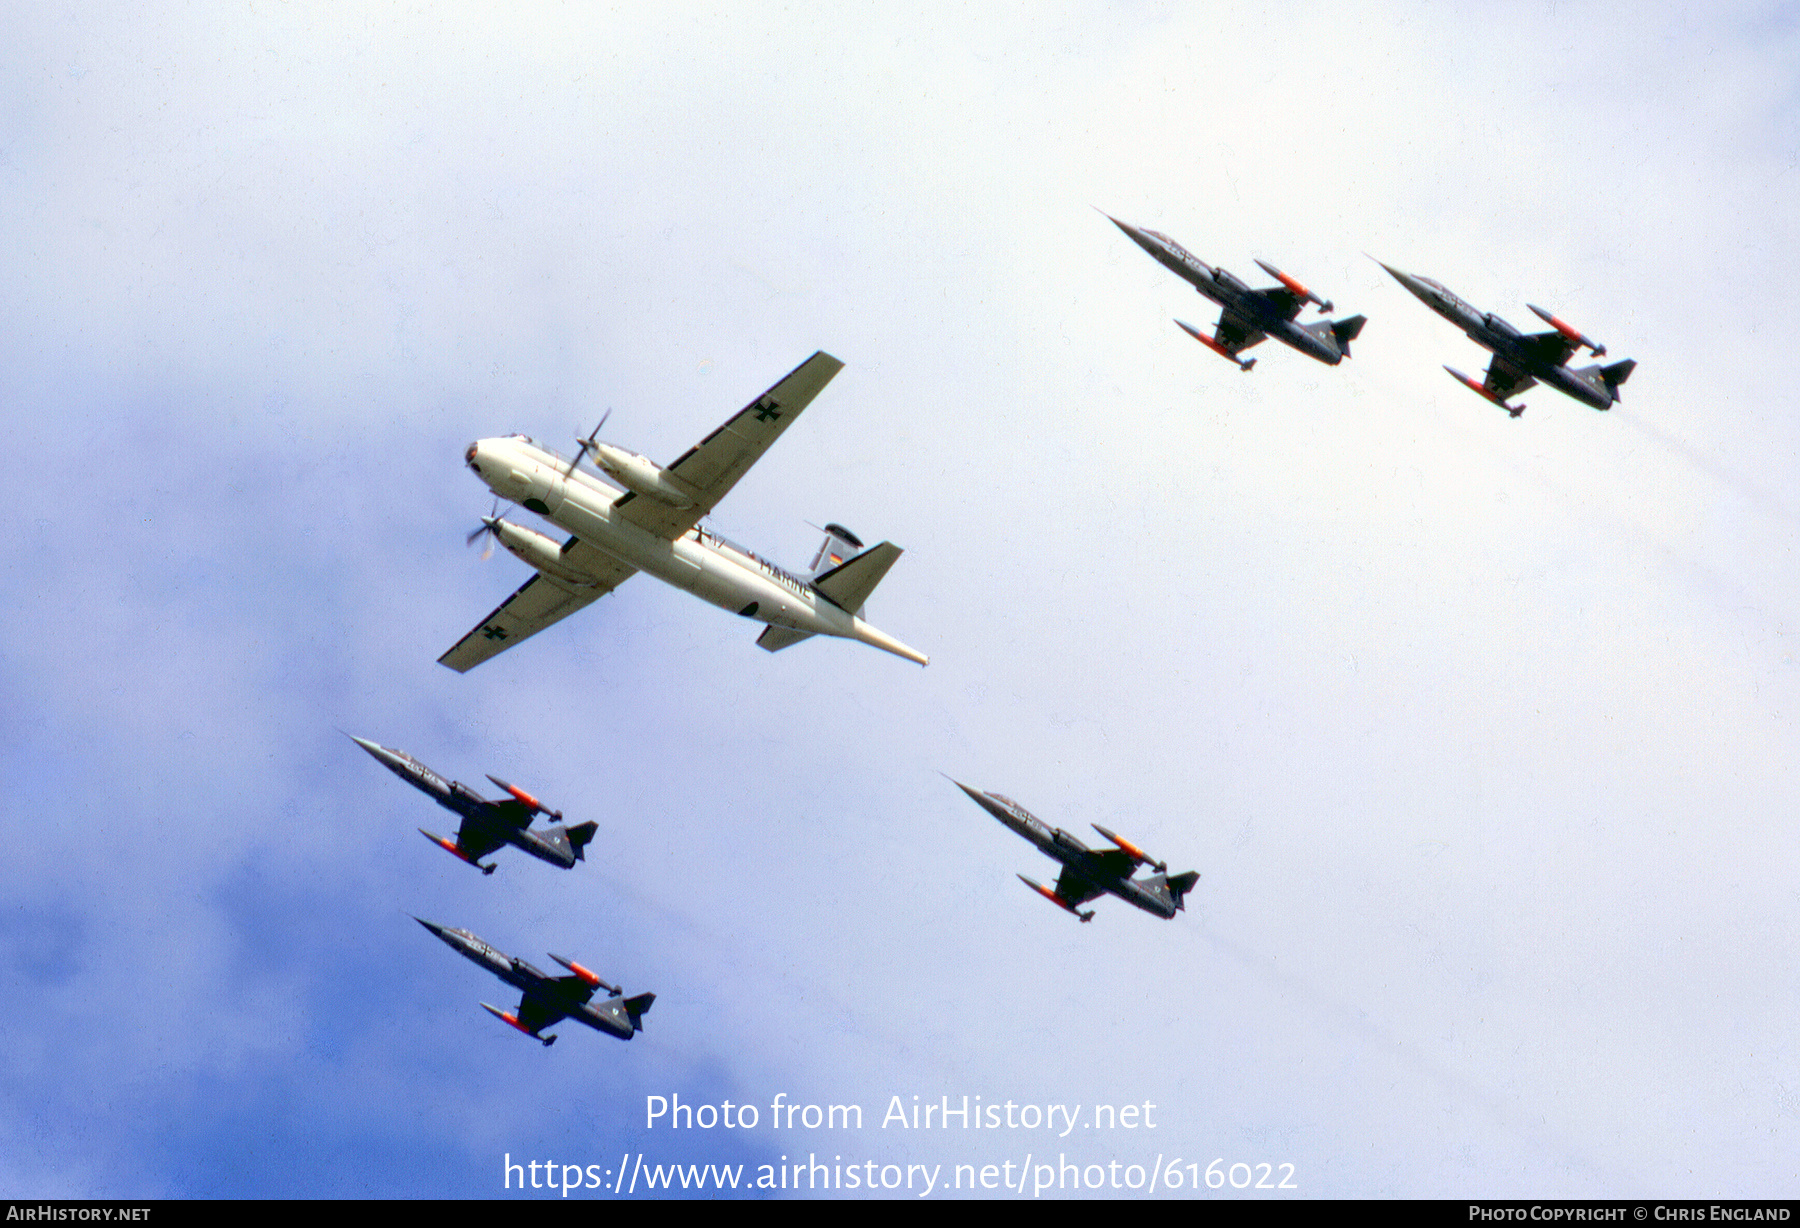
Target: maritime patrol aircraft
1087, 872
550, 998
1250, 315
650, 522
1522, 359
487, 826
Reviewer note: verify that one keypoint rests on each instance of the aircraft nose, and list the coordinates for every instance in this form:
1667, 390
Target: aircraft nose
474, 450
434, 927
1406, 279
1136, 235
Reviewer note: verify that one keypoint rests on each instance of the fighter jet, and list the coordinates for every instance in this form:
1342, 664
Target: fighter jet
550, 998
1522, 359
1250, 315
631, 515
486, 826
1088, 872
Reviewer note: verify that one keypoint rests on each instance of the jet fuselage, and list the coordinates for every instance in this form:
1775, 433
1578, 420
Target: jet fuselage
1151, 894
564, 996
523, 471
1251, 309
1494, 334
480, 816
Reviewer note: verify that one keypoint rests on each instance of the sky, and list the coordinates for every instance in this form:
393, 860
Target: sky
1480, 731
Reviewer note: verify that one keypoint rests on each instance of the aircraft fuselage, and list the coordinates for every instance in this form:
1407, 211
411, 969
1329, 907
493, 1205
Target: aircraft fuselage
479, 815
565, 996
524, 472
1151, 894
1247, 307
1498, 336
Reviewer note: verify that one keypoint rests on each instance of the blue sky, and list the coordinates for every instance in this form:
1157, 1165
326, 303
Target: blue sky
1480, 731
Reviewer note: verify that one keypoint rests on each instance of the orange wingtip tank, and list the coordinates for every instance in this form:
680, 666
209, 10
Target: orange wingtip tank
518, 793
449, 846
1127, 846
1214, 346
1568, 330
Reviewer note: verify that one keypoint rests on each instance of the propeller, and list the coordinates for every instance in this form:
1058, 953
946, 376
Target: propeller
587, 445
489, 528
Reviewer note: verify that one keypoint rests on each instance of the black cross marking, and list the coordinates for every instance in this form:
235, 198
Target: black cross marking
767, 411
494, 633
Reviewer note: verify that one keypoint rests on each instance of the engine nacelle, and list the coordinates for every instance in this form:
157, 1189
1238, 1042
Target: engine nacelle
643, 476
539, 551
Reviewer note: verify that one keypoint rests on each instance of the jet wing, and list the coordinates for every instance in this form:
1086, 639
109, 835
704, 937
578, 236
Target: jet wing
714, 465
1552, 348
537, 1011
1504, 379
539, 602
1282, 301
1075, 887
475, 840
1234, 334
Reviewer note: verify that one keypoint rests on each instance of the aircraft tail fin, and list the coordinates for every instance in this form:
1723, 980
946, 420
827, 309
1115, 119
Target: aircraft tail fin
839, 544
1346, 331
637, 1008
579, 835
849, 584
774, 639
1181, 884
1617, 374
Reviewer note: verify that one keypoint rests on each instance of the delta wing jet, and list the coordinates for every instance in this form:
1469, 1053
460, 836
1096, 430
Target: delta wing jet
550, 998
1522, 359
632, 515
1088, 873
488, 826
1250, 315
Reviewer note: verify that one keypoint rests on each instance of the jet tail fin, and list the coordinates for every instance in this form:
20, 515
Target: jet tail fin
1348, 330
637, 1008
849, 584
579, 835
1617, 374
1181, 884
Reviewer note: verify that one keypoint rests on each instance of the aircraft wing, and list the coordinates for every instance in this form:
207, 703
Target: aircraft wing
1075, 887
1552, 348
476, 840
1282, 301
1234, 334
537, 1011
539, 602
714, 465
1504, 379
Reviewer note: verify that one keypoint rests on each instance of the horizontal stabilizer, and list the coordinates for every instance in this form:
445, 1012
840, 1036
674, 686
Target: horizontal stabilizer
774, 639
848, 585
579, 835
1617, 374
1181, 884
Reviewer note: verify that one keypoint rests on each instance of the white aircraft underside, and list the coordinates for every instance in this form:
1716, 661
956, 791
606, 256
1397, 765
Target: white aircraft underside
619, 532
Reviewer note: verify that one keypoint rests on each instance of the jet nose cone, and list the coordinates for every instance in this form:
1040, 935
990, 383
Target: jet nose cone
371, 747
974, 793
440, 930
1406, 279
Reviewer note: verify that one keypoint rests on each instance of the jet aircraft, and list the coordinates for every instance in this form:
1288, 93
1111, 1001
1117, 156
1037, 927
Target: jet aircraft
1087, 872
550, 998
1250, 315
633, 515
1522, 359
487, 826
